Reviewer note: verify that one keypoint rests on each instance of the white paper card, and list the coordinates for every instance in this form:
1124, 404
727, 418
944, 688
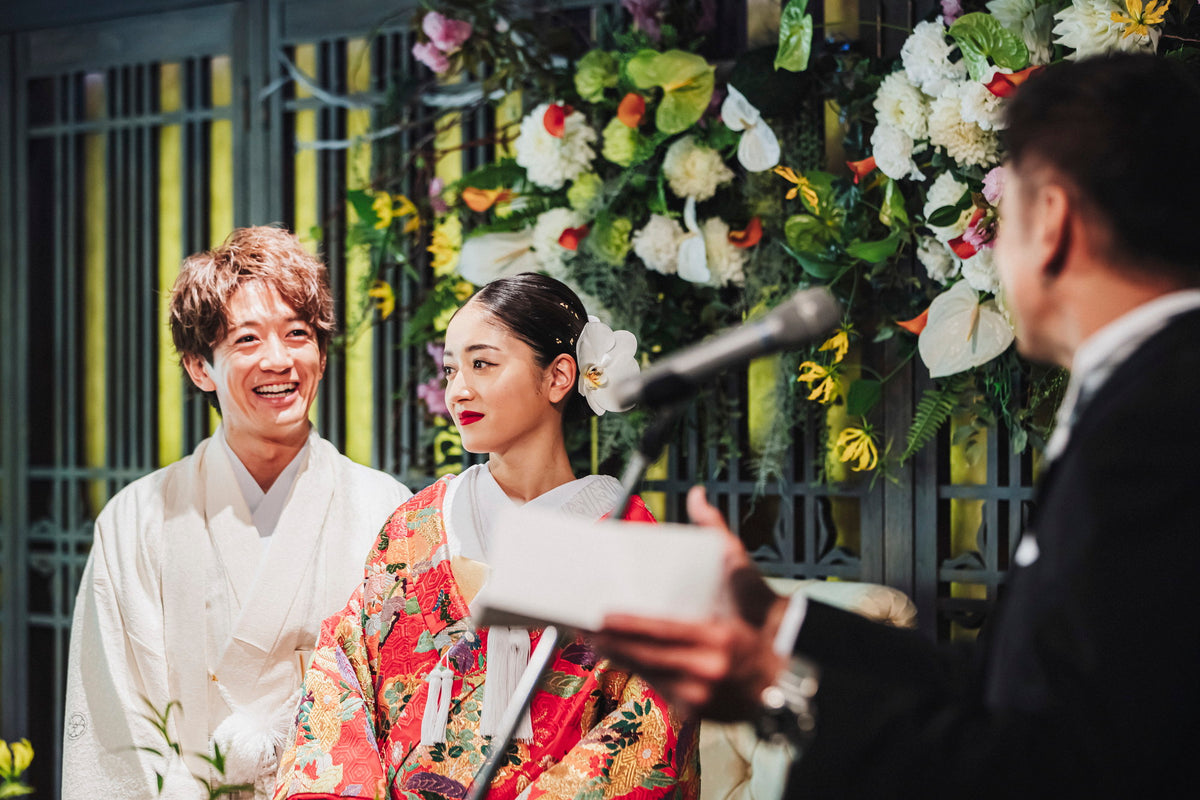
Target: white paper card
550, 567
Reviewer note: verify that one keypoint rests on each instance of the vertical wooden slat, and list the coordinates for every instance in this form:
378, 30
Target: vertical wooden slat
170, 254
95, 305
360, 378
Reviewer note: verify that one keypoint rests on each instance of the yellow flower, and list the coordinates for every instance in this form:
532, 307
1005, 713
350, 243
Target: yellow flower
388, 208
447, 241
1138, 21
382, 292
858, 445
825, 379
839, 343
14, 761
802, 186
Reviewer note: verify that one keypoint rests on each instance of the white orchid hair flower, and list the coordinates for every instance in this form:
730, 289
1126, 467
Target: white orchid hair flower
606, 359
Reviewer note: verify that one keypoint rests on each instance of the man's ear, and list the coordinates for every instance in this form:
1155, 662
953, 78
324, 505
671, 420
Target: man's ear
1055, 214
562, 374
197, 370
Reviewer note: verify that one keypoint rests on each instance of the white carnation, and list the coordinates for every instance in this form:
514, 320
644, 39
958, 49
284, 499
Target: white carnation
946, 191
550, 254
978, 105
550, 161
726, 262
657, 244
965, 142
939, 262
1087, 27
980, 271
694, 170
893, 151
1031, 20
902, 106
926, 58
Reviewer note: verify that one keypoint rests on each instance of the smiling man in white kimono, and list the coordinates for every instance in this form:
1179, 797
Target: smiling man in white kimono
208, 579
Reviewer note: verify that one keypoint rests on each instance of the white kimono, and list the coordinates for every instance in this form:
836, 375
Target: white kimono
176, 604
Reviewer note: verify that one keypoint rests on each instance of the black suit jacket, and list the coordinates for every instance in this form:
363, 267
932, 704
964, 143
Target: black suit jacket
1089, 681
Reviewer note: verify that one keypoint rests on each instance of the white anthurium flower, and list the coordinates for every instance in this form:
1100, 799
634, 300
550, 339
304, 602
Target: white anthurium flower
962, 332
497, 255
758, 149
606, 358
693, 255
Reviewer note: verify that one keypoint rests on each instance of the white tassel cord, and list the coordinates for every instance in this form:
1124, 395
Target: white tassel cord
250, 742
507, 657
437, 705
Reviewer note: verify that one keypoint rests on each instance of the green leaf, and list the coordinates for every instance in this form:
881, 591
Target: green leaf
862, 396
363, 204
820, 268
686, 80
945, 216
795, 37
893, 212
980, 36
658, 779
874, 252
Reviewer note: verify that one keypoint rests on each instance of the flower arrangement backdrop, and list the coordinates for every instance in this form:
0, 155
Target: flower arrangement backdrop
680, 196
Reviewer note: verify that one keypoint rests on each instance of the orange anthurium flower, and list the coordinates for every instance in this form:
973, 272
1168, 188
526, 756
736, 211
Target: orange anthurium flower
862, 169
916, 324
1003, 85
962, 248
571, 237
631, 110
483, 199
555, 119
749, 237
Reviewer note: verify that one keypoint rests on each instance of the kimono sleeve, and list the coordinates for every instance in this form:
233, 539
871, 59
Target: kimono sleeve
638, 750
335, 752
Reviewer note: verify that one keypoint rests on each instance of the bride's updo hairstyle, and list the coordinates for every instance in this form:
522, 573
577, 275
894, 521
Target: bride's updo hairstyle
543, 313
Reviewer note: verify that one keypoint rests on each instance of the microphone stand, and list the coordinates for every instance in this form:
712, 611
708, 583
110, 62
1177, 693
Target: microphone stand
654, 439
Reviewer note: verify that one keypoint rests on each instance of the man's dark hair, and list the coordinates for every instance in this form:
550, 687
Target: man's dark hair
1119, 128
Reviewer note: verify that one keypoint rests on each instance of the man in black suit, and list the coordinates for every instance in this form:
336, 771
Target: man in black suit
1088, 681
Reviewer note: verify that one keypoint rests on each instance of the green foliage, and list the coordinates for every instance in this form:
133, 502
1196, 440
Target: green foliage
795, 37
934, 409
981, 37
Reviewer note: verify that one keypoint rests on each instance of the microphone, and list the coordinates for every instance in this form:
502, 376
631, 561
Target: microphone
806, 315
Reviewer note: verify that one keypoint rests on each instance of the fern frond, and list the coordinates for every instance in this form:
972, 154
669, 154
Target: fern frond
934, 408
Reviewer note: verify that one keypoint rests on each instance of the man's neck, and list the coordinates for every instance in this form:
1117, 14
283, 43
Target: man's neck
265, 459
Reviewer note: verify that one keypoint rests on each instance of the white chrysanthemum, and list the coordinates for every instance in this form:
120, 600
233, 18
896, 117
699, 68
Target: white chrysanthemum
903, 106
893, 151
726, 262
939, 262
694, 170
1031, 20
1087, 27
978, 105
946, 191
965, 142
980, 271
551, 161
926, 58
657, 244
549, 227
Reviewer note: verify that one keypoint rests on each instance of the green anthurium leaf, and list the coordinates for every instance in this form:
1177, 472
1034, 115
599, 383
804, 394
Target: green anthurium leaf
980, 36
862, 396
876, 251
816, 266
795, 37
363, 205
892, 212
806, 233
944, 216
686, 80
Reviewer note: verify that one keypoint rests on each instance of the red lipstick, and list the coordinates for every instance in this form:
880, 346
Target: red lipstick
467, 417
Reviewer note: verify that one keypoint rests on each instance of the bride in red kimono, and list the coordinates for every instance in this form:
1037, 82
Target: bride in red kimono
402, 695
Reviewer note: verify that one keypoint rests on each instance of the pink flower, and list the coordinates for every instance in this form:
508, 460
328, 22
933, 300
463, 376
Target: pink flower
430, 56
446, 34
439, 206
433, 391
993, 185
951, 10
646, 16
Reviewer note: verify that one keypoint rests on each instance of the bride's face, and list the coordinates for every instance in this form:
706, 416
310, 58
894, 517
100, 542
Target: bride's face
495, 390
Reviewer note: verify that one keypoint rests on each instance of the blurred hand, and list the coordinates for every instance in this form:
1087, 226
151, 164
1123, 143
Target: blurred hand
716, 668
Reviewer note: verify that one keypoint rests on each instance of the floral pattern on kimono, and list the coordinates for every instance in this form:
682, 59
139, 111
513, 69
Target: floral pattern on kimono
597, 732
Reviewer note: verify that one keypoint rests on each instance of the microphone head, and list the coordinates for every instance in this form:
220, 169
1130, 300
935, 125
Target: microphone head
805, 316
